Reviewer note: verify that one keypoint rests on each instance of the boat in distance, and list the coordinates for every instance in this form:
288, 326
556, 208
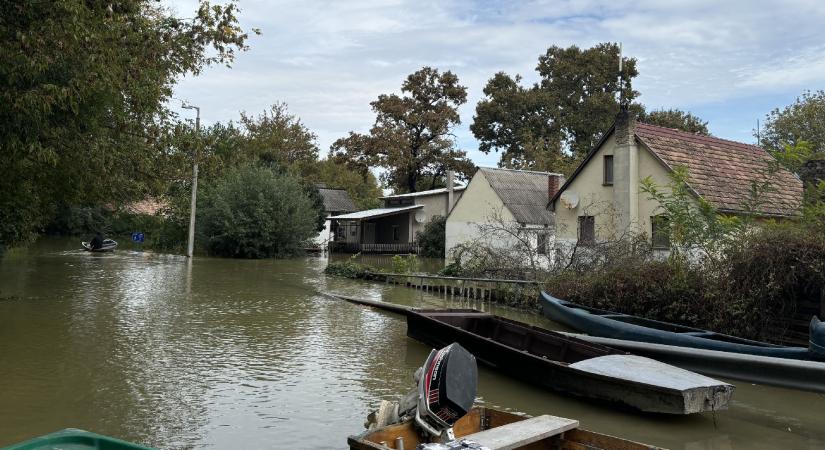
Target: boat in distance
481, 419
566, 364
108, 246
607, 324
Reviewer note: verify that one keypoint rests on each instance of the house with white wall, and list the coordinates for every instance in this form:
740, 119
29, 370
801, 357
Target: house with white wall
504, 209
393, 228
336, 202
602, 199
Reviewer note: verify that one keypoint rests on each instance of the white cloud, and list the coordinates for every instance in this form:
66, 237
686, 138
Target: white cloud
329, 59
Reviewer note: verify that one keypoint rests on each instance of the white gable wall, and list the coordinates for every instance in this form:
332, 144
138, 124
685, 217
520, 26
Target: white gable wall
604, 202
480, 206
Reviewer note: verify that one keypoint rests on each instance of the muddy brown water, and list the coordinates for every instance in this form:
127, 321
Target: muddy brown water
231, 354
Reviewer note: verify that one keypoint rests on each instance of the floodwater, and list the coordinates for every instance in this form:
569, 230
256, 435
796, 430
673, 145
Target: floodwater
232, 354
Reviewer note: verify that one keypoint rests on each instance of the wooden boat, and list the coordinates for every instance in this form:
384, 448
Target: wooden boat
783, 372
72, 438
570, 365
601, 323
108, 246
481, 419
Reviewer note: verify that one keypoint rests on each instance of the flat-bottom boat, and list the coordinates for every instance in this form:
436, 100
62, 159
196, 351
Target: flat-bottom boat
562, 363
108, 246
481, 419
607, 324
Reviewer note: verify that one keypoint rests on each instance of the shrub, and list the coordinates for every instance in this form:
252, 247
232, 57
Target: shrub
754, 290
431, 238
349, 269
404, 264
254, 212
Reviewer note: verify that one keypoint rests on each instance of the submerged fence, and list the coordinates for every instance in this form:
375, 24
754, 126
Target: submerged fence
511, 292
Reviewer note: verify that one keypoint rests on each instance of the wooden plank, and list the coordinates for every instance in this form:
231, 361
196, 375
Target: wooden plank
524, 432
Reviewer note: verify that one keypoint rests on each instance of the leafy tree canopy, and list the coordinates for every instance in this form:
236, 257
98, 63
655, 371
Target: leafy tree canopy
411, 138
279, 140
255, 212
554, 123
802, 120
83, 89
675, 118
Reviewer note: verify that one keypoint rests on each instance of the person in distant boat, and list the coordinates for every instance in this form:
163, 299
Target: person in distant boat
97, 242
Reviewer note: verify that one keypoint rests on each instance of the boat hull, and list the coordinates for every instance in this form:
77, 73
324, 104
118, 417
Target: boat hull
109, 245
782, 372
605, 324
481, 419
518, 350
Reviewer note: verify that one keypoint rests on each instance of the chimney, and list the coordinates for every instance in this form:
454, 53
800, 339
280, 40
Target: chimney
625, 127
554, 182
450, 176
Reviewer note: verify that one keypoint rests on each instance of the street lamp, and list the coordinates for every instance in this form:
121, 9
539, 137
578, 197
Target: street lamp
191, 244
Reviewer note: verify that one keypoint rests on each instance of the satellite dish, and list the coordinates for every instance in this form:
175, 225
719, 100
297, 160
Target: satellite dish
570, 200
420, 217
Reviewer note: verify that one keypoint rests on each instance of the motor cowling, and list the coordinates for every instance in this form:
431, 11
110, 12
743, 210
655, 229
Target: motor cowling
446, 388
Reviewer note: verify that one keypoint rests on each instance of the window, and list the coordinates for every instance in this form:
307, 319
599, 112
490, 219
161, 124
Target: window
587, 230
396, 235
608, 169
541, 243
660, 232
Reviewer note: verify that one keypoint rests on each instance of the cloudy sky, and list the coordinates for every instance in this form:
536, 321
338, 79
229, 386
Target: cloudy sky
730, 62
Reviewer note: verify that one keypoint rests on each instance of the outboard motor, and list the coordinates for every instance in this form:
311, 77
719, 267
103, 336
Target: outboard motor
816, 339
446, 390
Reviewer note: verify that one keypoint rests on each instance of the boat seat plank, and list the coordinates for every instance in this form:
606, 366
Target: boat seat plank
518, 434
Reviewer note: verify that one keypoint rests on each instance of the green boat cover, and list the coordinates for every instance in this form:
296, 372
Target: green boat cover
74, 439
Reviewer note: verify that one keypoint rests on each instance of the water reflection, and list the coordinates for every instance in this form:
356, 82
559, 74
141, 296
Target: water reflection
218, 353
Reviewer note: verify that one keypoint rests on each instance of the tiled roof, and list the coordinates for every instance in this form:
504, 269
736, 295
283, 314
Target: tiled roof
337, 200
722, 171
523, 192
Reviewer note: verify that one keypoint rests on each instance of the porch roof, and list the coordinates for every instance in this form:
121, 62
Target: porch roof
375, 213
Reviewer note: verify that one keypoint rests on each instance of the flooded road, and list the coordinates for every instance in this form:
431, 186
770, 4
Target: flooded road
245, 354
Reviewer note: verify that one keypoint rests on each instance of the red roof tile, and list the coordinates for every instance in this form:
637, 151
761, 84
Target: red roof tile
722, 171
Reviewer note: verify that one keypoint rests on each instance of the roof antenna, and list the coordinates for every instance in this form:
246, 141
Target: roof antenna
758, 137
621, 81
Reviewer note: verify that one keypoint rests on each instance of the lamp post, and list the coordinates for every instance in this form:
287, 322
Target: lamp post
190, 246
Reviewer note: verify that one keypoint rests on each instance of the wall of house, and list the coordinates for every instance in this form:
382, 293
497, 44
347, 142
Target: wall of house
595, 199
384, 227
479, 205
600, 201
434, 205
649, 165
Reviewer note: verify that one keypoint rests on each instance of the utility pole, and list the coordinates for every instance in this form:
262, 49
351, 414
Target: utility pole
191, 244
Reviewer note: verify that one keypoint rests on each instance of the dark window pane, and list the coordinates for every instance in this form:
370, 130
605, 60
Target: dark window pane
608, 169
541, 243
660, 231
587, 230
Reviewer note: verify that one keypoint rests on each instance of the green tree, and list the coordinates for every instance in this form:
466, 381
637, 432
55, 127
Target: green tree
431, 240
803, 120
675, 118
362, 187
83, 89
411, 138
255, 212
278, 138
561, 117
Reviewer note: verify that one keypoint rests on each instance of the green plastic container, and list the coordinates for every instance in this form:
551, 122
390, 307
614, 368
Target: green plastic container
74, 439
